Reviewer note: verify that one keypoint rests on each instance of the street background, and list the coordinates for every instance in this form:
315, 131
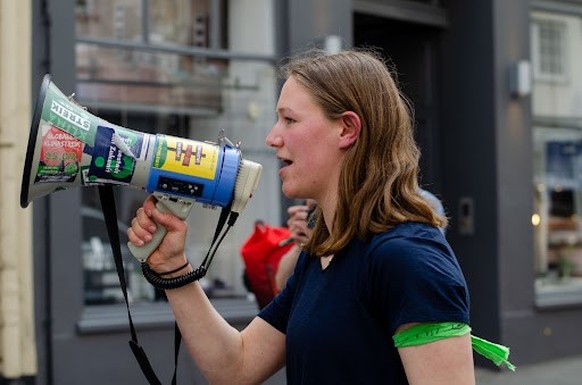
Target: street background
565, 371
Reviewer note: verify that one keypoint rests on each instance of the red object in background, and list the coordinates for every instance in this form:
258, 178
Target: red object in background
261, 254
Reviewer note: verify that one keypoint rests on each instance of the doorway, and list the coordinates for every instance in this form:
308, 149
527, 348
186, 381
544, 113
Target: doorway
412, 50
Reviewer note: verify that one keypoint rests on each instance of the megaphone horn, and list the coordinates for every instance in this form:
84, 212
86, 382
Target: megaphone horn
70, 147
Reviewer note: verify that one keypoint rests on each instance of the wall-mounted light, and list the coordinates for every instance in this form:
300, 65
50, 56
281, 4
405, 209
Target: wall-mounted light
329, 43
520, 79
332, 44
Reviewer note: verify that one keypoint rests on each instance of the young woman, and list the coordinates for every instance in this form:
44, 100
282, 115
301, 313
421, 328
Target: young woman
376, 264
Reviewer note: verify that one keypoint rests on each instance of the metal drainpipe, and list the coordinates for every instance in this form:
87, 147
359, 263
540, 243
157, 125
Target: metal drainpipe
48, 320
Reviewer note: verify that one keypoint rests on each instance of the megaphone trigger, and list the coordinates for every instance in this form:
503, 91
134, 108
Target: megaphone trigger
179, 207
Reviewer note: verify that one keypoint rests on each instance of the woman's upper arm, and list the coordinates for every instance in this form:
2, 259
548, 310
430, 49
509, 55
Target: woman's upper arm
444, 362
264, 351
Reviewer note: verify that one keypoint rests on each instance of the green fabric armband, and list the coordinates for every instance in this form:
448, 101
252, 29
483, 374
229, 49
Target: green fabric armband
429, 332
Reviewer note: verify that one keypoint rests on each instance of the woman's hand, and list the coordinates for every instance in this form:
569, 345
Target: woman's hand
169, 255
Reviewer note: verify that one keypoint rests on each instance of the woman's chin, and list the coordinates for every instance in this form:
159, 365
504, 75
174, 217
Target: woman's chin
289, 192
289, 195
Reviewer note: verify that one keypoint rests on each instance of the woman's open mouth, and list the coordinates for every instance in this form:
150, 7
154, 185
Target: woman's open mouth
284, 164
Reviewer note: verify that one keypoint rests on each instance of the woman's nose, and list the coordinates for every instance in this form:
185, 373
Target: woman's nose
273, 139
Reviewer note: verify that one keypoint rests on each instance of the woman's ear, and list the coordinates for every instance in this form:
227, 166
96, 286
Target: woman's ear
351, 126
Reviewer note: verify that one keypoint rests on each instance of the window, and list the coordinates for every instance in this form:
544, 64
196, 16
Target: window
182, 68
549, 49
145, 64
558, 217
557, 141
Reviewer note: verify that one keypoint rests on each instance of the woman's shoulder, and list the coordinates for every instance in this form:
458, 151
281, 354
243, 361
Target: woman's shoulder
409, 242
409, 232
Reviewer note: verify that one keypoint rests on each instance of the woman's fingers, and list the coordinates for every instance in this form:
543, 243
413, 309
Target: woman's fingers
142, 228
148, 220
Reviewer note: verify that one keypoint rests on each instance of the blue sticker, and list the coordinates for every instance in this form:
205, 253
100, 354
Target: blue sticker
113, 160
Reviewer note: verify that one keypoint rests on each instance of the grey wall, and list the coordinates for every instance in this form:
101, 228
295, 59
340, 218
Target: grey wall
309, 20
514, 174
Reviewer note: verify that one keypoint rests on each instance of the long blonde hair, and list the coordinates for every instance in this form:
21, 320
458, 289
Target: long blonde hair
378, 186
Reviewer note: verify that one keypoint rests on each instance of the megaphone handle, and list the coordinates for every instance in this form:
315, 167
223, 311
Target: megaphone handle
179, 207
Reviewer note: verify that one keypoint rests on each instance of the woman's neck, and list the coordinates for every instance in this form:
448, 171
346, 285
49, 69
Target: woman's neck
327, 205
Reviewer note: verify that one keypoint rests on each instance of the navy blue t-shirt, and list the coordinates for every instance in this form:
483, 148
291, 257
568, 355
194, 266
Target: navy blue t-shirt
339, 321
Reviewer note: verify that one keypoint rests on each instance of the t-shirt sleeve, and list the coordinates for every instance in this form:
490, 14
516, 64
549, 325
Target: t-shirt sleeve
417, 280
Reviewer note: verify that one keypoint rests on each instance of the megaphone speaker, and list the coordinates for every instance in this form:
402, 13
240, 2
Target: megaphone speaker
70, 147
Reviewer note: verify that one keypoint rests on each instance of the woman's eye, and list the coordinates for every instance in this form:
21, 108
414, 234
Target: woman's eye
288, 120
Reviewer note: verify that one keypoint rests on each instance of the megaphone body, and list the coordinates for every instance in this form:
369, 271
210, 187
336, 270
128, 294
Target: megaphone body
70, 147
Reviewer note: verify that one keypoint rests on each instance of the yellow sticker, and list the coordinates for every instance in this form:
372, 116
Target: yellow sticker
184, 156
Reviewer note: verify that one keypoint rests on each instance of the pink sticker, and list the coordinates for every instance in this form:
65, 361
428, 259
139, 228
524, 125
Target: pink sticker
60, 156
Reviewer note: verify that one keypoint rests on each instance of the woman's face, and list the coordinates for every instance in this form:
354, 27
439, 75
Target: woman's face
307, 144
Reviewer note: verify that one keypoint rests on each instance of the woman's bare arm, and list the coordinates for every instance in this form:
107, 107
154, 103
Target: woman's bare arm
444, 362
222, 353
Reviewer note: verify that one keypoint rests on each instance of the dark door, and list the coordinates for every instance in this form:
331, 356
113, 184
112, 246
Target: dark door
412, 48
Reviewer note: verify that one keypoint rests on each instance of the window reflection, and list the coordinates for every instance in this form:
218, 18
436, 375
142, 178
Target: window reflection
146, 81
141, 79
148, 66
559, 198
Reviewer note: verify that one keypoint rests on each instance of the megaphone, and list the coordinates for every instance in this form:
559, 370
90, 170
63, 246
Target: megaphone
70, 147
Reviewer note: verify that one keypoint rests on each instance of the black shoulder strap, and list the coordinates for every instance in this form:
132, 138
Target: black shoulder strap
110, 214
